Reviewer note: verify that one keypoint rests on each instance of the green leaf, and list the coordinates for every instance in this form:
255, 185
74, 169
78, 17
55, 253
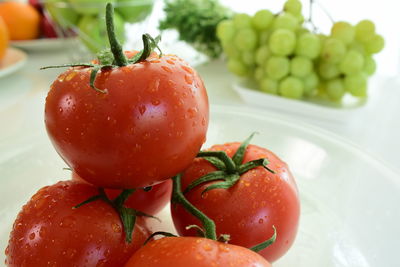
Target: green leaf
228, 183
266, 243
216, 162
128, 218
238, 157
212, 176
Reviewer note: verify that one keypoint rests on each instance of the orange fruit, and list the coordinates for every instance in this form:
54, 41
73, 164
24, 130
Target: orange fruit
22, 20
3, 38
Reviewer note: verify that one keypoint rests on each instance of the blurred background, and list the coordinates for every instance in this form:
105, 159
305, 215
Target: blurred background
356, 100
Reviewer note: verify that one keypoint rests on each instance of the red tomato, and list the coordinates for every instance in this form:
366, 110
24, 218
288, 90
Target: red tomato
150, 202
194, 252
248, 210
148, 125
48, 232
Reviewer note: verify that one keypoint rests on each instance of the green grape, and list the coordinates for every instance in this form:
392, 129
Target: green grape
264, 36
246, 39
248, 58
262, 19
333, 50
269, 86
259, 73
335, 89
225, 30
356, 84
241, 20
285, 21
327, 70
311, 82
369, 65
262, 54
300, 18
277, 67
322, 38
352, 62
365, 29
343, 31
291, 87
300, 66
237, 67
293, 7
308, 45
357, 47
301, 30
231, 51
375, 44
282, 42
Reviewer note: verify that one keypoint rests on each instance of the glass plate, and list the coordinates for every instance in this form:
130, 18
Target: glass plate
349, 199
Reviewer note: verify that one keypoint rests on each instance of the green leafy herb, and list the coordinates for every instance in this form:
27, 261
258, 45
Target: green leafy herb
196, 21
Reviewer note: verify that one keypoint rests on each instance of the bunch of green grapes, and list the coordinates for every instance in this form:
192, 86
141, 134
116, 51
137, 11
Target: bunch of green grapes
287, 59
346, 59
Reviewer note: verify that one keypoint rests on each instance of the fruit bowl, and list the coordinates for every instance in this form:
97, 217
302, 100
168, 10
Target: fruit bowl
86, 20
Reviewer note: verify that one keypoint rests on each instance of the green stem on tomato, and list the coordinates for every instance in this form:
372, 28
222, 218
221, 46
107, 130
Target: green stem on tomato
178, 197
116, 48
229, 163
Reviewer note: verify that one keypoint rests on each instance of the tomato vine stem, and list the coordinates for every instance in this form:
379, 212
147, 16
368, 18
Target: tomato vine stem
178, 197
115, 46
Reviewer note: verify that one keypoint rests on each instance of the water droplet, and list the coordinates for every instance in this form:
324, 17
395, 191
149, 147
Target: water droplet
154, 85
187, 69
70, 75
142, 109
116, 228
203, 121
170, 62
67, 222
260, 221
192, 112
207, 247
188, 79
32, 236
165, 68
155, 102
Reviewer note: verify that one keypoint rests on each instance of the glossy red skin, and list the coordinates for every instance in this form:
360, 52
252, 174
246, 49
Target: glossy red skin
248, 210
194, 252
150, 202
48, 232
147, 127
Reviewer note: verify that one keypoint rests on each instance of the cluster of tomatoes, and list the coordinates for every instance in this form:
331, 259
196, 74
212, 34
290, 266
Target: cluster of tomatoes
144, 123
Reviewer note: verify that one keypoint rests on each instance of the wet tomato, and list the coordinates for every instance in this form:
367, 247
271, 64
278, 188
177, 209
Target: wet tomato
148, 201
49, 232
194, 252
249, 209
147, 125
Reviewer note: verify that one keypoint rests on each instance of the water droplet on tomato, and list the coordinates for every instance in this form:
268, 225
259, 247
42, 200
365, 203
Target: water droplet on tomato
165, 68
70, 75
260, 221
187, 69
155, 102
207, 247
192, 112
188, 79
60, 110
67, 222
203, 121
142, 109
32, 236
116, 228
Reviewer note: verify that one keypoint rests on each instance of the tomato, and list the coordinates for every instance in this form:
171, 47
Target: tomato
148, 125
49, 232
194, 252
249, 209
149, 202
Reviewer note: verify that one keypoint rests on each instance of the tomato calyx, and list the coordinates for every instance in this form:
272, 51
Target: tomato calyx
114, 57
209, 230
229, 169
127, 215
